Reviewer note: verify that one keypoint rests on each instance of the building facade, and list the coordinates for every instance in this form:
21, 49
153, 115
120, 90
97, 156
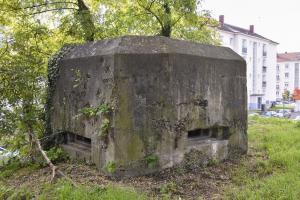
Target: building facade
287, 73
260, 55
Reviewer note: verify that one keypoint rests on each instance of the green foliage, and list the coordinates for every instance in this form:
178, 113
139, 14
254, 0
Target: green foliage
5, 192
171, 18
78, 78
297, 124
105, 127
65, 190
274, 174
10, 194
168, 189
56, 154
10, 168
152, 161
15, 165
286, 95
212, 162
95, 111
101, 110
19, 194
110, 167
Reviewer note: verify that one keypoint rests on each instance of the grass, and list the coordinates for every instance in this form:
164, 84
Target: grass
270, 171
274, 171
66, 191
59, 190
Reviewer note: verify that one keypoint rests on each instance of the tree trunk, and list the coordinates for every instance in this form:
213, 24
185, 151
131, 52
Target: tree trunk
167, 25
86, 20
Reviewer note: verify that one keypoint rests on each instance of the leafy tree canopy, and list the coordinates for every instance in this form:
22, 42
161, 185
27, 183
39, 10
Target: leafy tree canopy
31, 31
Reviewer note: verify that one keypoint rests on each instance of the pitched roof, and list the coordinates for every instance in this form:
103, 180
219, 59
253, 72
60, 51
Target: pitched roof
235, 29
286, 57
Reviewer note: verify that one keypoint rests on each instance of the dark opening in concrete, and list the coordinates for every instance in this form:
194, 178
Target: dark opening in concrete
78, 141
225, 134
77, 146
219, 133
199, 134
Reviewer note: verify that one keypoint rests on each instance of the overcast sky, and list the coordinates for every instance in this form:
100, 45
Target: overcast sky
278, 20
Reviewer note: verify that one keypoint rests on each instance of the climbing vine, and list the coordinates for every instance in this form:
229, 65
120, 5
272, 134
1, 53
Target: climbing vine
53, 73
103, 110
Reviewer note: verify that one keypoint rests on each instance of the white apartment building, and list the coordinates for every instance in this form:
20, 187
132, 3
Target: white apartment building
287, 73
260, 55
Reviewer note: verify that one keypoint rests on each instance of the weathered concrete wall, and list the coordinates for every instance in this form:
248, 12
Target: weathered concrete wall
158, 89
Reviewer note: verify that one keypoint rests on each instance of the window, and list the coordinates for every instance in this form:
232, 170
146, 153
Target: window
278, 78
264, 69
286, 84
244, 46
264, 50
277, 69
264, 62
277, 87
264, 84
286, 66
277, 93
231, 41
286, 75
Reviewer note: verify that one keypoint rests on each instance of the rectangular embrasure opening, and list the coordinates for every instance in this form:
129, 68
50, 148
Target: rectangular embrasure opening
198, 133
79, 140
219, 133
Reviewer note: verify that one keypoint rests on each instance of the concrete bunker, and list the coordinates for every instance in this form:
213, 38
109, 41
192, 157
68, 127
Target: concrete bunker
136, 104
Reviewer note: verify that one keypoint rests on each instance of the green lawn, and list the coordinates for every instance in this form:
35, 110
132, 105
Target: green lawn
274, 170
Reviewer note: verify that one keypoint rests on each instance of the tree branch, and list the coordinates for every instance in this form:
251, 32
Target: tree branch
50, 3
204, 23
177, 20
50, 10
148, 9
54, 169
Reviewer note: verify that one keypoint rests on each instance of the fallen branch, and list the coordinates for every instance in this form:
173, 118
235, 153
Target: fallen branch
54, 169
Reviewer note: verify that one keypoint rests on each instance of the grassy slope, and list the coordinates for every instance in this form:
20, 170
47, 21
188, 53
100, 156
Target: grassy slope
270, 171
274, 171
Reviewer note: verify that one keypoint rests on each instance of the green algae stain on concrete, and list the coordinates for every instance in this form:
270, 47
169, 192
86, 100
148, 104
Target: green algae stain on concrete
130, 146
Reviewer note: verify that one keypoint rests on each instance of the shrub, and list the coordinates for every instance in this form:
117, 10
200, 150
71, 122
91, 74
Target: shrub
56, 154
110, 167
152, 161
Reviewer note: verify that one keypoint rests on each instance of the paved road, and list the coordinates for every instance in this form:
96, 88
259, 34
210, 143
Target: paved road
294, 115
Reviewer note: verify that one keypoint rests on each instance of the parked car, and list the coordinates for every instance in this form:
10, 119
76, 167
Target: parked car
283, 113
297, 118
269, 114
